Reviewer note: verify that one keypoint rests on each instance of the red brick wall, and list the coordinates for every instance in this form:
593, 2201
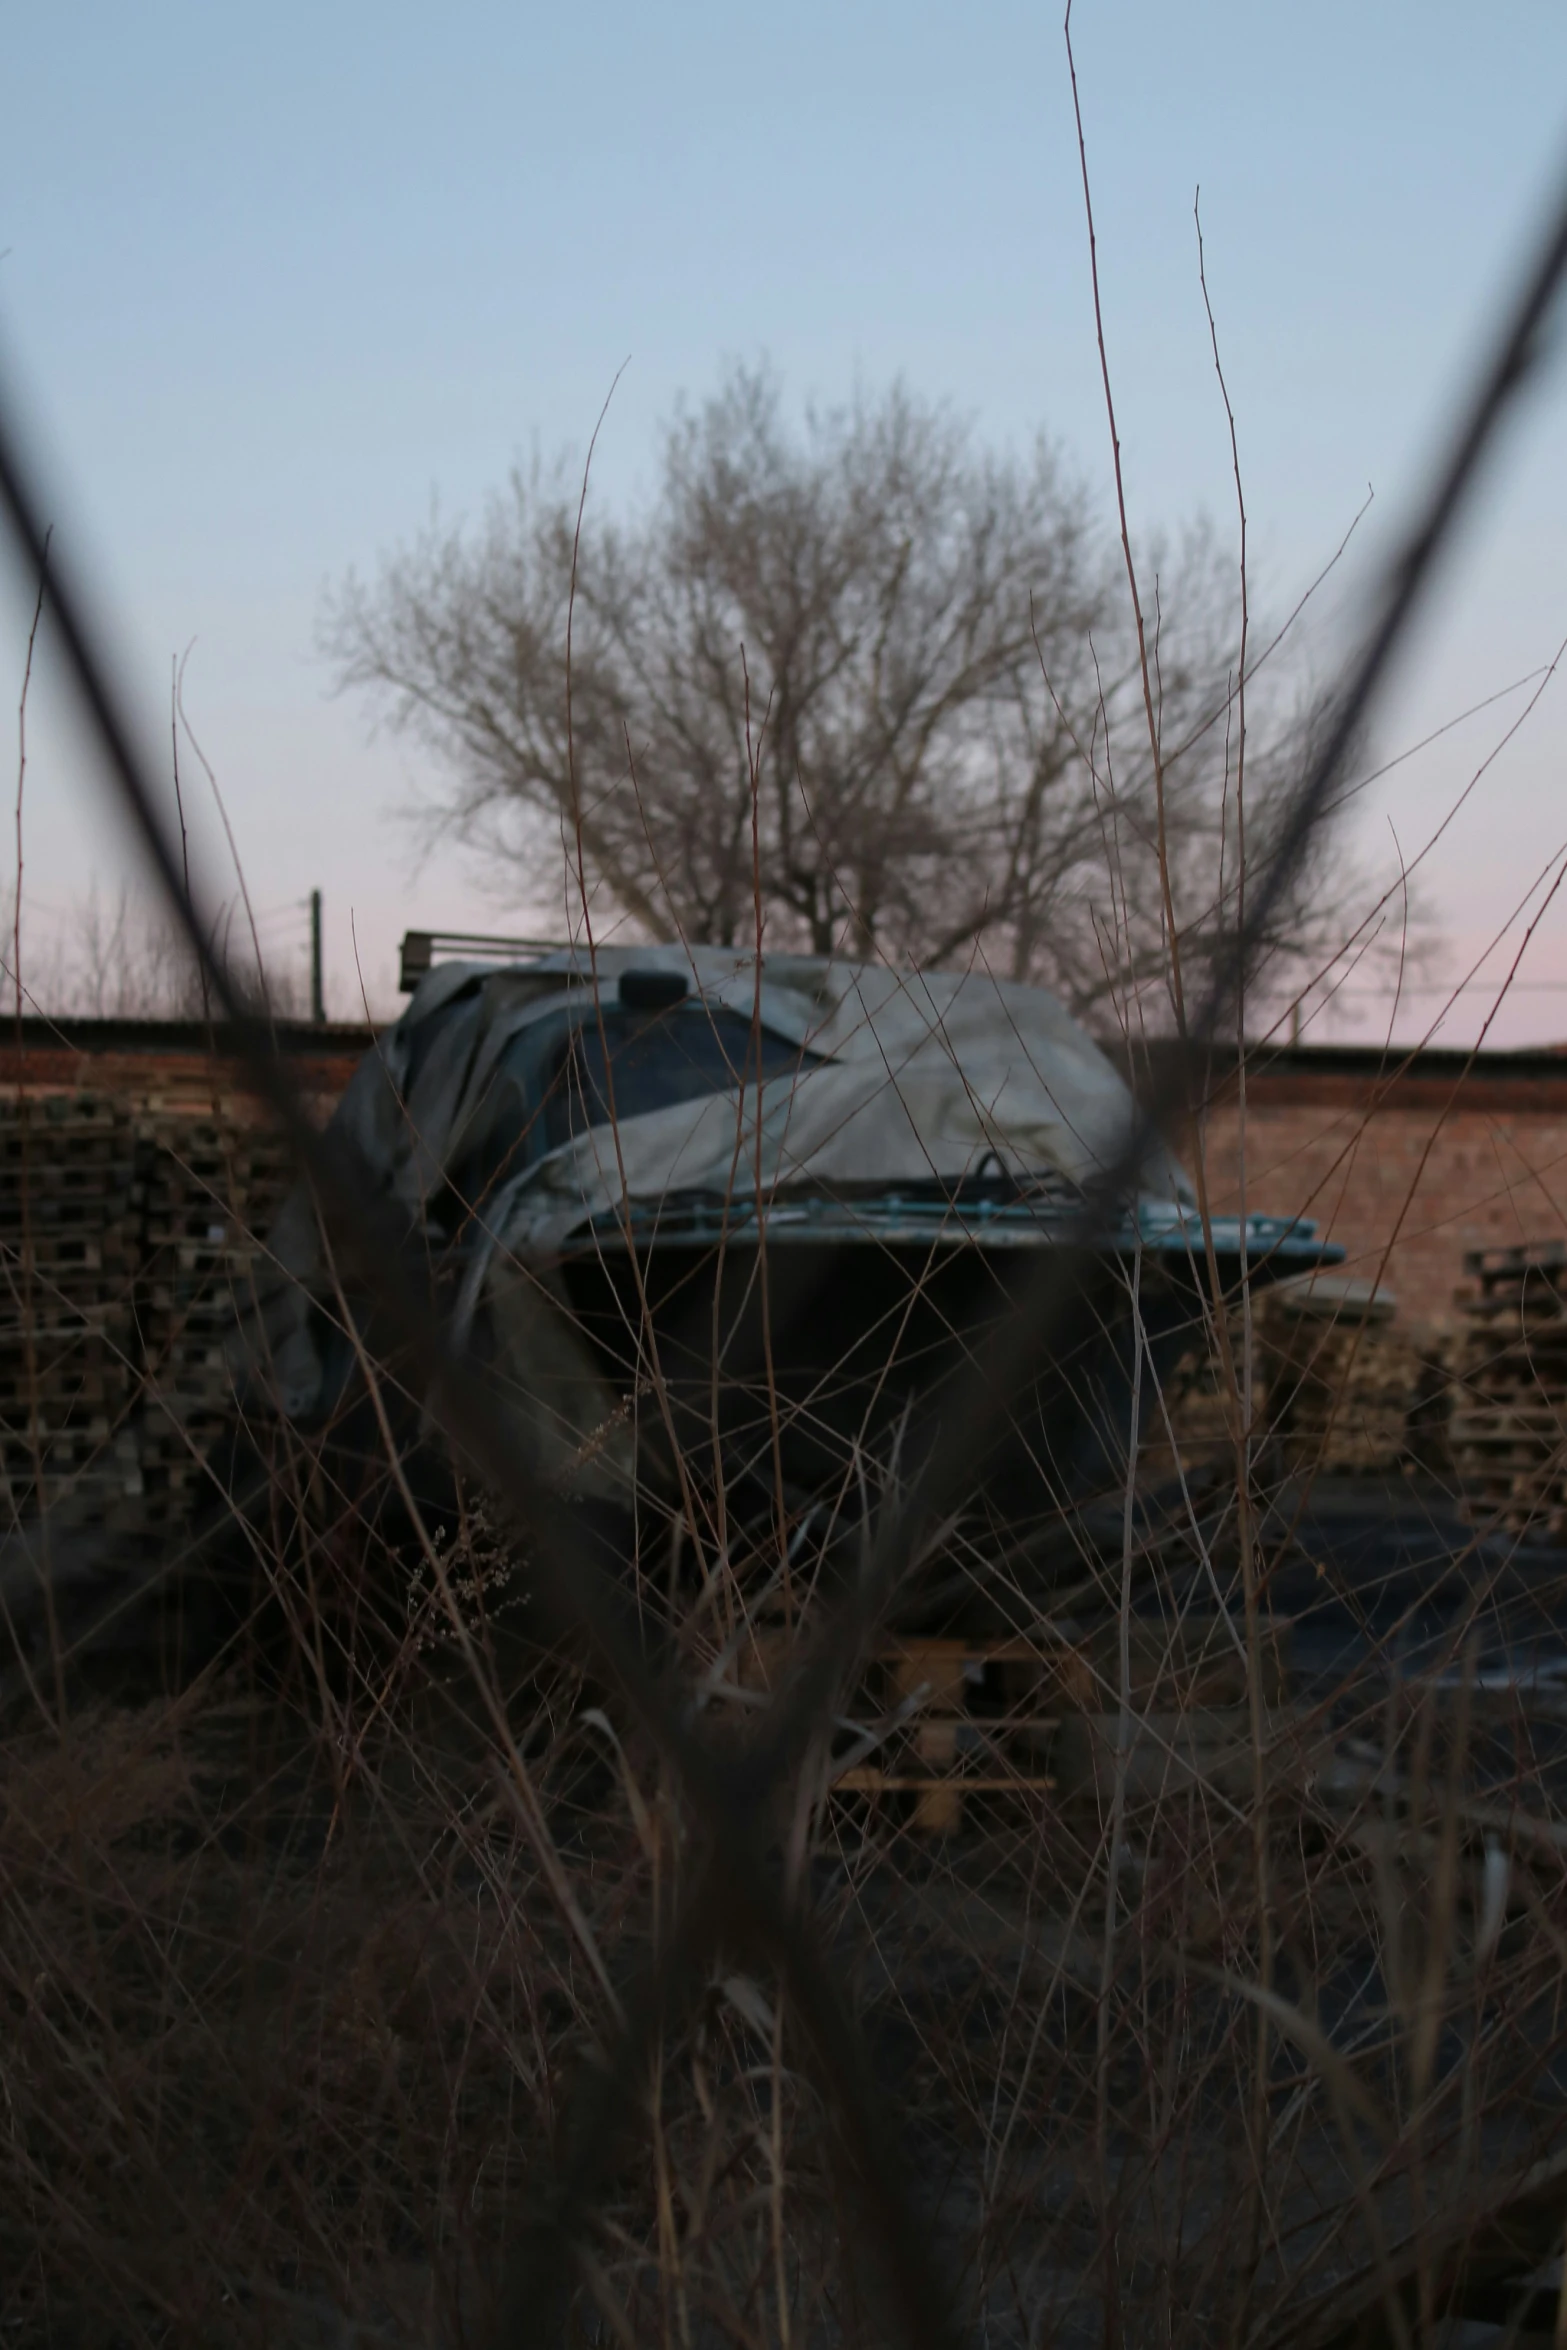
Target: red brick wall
1406, 1172
165, 1066
1407, 1164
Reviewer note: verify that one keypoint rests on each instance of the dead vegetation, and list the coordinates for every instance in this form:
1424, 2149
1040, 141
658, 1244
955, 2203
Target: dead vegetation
1203, 1972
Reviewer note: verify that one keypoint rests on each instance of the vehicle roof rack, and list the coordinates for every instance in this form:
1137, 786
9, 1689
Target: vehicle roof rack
423, 948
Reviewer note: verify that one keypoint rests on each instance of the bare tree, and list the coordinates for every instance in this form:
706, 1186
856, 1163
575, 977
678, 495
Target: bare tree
119, 958
905, 659
121, 962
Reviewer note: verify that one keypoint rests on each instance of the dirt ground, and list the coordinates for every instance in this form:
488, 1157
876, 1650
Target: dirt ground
308, 1986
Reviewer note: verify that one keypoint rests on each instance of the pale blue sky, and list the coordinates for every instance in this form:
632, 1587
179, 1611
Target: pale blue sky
276, 277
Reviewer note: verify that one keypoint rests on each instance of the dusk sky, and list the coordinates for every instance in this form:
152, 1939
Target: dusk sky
276, 280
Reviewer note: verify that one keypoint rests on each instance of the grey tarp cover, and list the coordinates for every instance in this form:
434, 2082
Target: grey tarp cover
920, 1075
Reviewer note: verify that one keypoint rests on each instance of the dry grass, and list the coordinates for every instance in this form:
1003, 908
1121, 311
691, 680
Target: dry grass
309, 1978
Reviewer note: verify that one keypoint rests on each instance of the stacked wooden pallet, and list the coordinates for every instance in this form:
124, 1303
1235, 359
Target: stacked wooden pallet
1334, 1387
125, 1241
210, 1188
1192, 1425
68, 1249
1507, 1429
1344, 1380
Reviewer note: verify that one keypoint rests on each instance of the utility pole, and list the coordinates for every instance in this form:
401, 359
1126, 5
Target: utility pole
317, 993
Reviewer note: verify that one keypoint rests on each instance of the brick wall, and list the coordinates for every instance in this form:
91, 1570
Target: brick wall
169, 1066
1407, 1162
1408, 1166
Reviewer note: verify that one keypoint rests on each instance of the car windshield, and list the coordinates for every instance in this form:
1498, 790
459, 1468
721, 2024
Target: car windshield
556, 1078
641, 1061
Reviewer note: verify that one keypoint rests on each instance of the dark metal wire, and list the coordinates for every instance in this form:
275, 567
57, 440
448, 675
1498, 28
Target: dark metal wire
741, 1895
1005, 1356
573, 1592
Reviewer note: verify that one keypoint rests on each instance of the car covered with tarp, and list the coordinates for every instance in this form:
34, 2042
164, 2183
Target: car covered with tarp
719, 1221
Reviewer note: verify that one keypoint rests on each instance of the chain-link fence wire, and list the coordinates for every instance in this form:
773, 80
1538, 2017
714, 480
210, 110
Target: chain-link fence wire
743, 1898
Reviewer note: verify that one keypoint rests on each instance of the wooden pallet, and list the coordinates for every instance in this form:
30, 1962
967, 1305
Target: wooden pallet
965, 1718
81, 1469
69, 1210
1344, 1384
1538, 1262
121, 1264
1332, 1391
1193, 1428
1507, 1423
938, 1722
212, 1189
